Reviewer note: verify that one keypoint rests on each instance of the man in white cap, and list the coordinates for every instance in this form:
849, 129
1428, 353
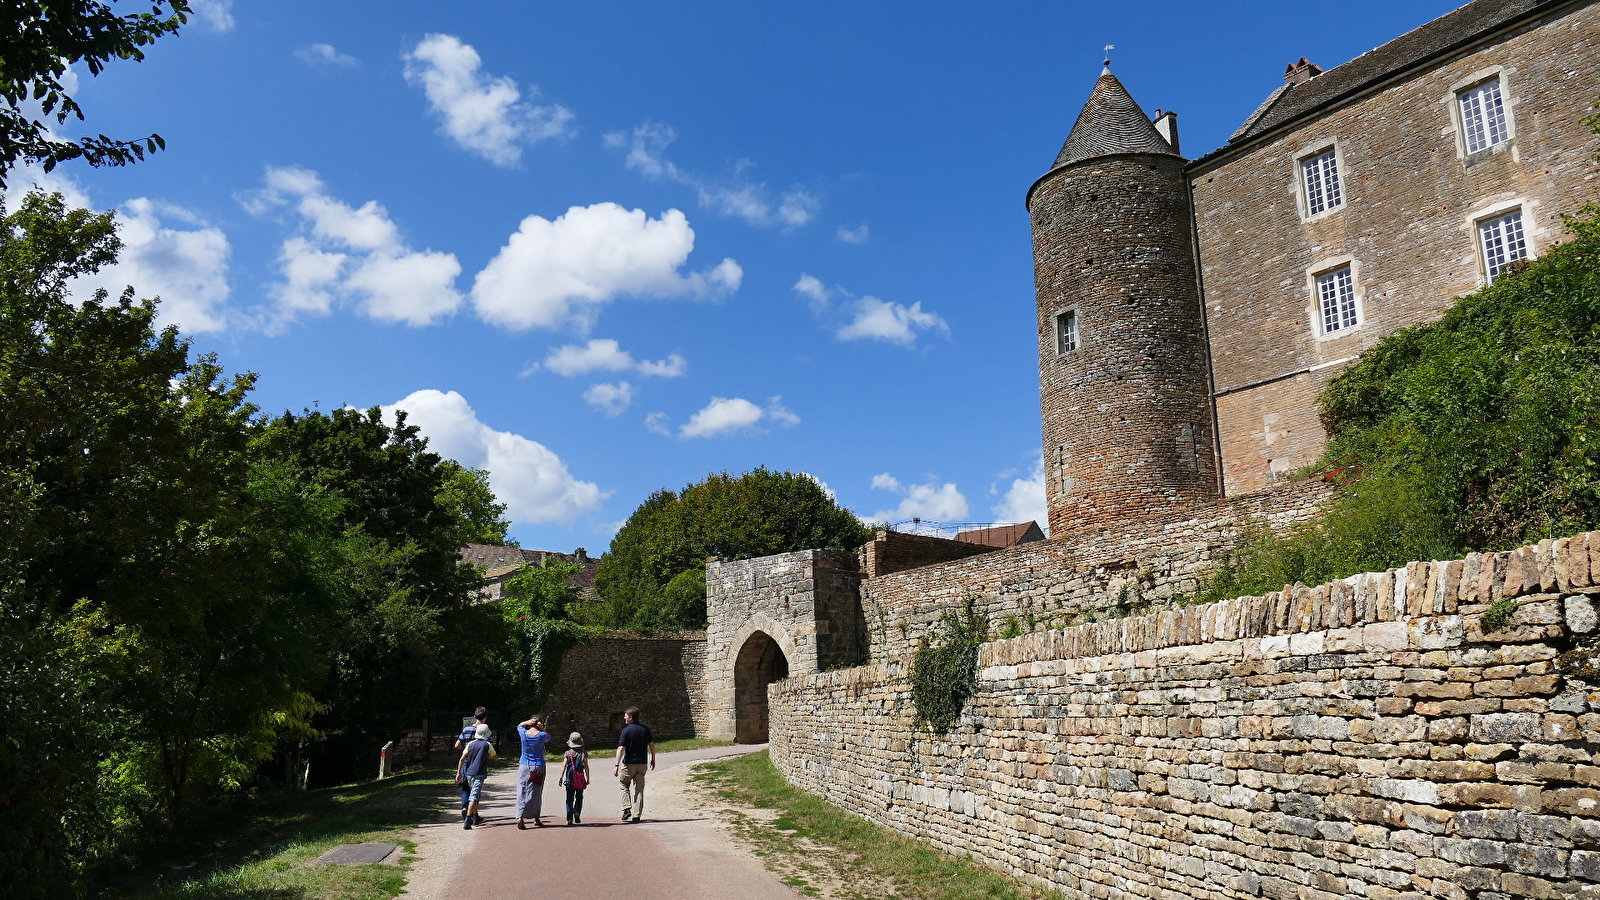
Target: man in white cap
471, 769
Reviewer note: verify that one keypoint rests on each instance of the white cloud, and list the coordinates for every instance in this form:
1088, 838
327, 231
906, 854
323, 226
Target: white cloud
931, 501
30, 178
351, 254
867, 317
610, 399
526, 476
484, 114
858, 235
559, 273
218, 14
326, 55
892, 322
606, 355
186, 268
725, 415
1024, 500
732, 196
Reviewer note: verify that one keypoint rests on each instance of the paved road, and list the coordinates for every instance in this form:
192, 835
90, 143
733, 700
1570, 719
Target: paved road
676, 853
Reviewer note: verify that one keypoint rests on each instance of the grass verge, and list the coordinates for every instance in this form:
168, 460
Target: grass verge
262, 853
867, 856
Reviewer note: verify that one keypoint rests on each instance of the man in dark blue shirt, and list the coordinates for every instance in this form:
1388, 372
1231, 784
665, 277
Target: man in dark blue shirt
635, 745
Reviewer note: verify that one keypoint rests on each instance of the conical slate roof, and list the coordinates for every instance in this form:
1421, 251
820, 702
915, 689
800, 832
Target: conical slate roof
1111, 122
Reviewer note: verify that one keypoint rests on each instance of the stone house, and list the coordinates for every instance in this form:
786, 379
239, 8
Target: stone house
500, 563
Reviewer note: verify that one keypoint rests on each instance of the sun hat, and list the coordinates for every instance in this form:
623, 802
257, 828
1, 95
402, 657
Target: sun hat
575, 740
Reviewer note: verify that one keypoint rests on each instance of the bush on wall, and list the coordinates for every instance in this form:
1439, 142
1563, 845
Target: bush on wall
944, 674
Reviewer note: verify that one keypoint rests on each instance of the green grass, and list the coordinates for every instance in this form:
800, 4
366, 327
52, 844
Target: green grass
259, 851
917, 870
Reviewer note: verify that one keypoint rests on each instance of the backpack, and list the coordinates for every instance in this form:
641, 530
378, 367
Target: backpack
574, 775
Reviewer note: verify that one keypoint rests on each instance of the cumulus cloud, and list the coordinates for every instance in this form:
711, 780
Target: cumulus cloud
733, 196
858, 235
484, 114
560, 273
324, 55
853, 318
610, 399
1024, 500
726, 415
526, 476
187, 268
931, 501
351, 254
606, 355
217, 14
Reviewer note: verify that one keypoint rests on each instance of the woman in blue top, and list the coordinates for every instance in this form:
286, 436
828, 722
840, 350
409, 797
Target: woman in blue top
530, 771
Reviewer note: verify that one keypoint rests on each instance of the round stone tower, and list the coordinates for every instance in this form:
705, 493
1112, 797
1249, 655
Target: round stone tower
1124, 383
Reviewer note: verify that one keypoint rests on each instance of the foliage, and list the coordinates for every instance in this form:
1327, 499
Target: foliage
1491, 416
945, 674
45, 37
756, 513
141, 591
466, 494
536, 608
1500, 614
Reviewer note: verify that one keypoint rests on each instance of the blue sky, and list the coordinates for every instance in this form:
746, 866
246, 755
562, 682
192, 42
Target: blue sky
605, 248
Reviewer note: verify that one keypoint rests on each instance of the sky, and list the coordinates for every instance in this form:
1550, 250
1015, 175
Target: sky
601, 249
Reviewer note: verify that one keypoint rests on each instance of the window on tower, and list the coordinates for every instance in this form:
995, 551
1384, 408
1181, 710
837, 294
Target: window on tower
1066, 332
1336, 298
1319, 175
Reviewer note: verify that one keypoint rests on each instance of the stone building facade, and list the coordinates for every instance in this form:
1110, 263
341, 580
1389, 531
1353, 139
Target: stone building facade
1353, 202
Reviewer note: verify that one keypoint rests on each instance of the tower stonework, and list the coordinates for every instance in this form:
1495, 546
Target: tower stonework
1123, 378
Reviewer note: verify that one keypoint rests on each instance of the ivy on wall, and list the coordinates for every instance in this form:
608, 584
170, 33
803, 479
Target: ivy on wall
944, 673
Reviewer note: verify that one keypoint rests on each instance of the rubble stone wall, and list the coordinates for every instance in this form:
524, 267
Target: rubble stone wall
1150, 563
662, 674
1366, 738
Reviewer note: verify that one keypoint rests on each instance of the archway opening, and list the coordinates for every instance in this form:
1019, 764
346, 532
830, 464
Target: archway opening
760, 662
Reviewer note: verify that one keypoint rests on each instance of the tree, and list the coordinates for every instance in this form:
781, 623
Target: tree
756, 513
140, 593
42, 39
466, 494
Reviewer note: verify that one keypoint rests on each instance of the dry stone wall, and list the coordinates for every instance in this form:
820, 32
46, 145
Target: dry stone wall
1051, 584
662, 674
1361, 739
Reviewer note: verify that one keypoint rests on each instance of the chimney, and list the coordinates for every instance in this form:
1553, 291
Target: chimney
1301, 72
1167, 125
580, 554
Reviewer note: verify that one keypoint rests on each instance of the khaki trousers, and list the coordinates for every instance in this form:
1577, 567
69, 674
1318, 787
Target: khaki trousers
632, 777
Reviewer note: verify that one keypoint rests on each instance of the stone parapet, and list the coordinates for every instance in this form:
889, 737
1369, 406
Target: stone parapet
1372, 737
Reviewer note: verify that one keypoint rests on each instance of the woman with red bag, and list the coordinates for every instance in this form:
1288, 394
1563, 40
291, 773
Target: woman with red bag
530, 771
575, 775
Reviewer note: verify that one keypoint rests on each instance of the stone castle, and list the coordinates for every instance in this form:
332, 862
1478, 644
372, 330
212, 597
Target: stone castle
1427, 732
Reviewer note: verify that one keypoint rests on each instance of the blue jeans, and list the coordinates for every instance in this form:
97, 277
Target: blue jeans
574, 801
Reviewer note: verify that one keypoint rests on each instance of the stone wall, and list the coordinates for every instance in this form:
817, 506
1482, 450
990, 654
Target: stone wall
1367, 738
1407, 226
1058, 582
892, 551
663, 675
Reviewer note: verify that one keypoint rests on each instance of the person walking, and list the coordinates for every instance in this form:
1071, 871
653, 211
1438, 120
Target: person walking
480, 718
575, 775
530, 771
630, 770
471, 769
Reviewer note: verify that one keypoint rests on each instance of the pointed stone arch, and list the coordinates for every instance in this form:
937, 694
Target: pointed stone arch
759, 662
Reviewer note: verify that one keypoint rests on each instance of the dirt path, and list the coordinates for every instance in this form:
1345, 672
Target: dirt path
679, 851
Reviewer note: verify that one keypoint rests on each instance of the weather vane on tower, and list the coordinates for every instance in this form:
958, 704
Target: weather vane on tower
1109, 48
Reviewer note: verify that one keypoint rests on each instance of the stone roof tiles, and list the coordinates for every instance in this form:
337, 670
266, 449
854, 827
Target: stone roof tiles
1448, 32
1111, 122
